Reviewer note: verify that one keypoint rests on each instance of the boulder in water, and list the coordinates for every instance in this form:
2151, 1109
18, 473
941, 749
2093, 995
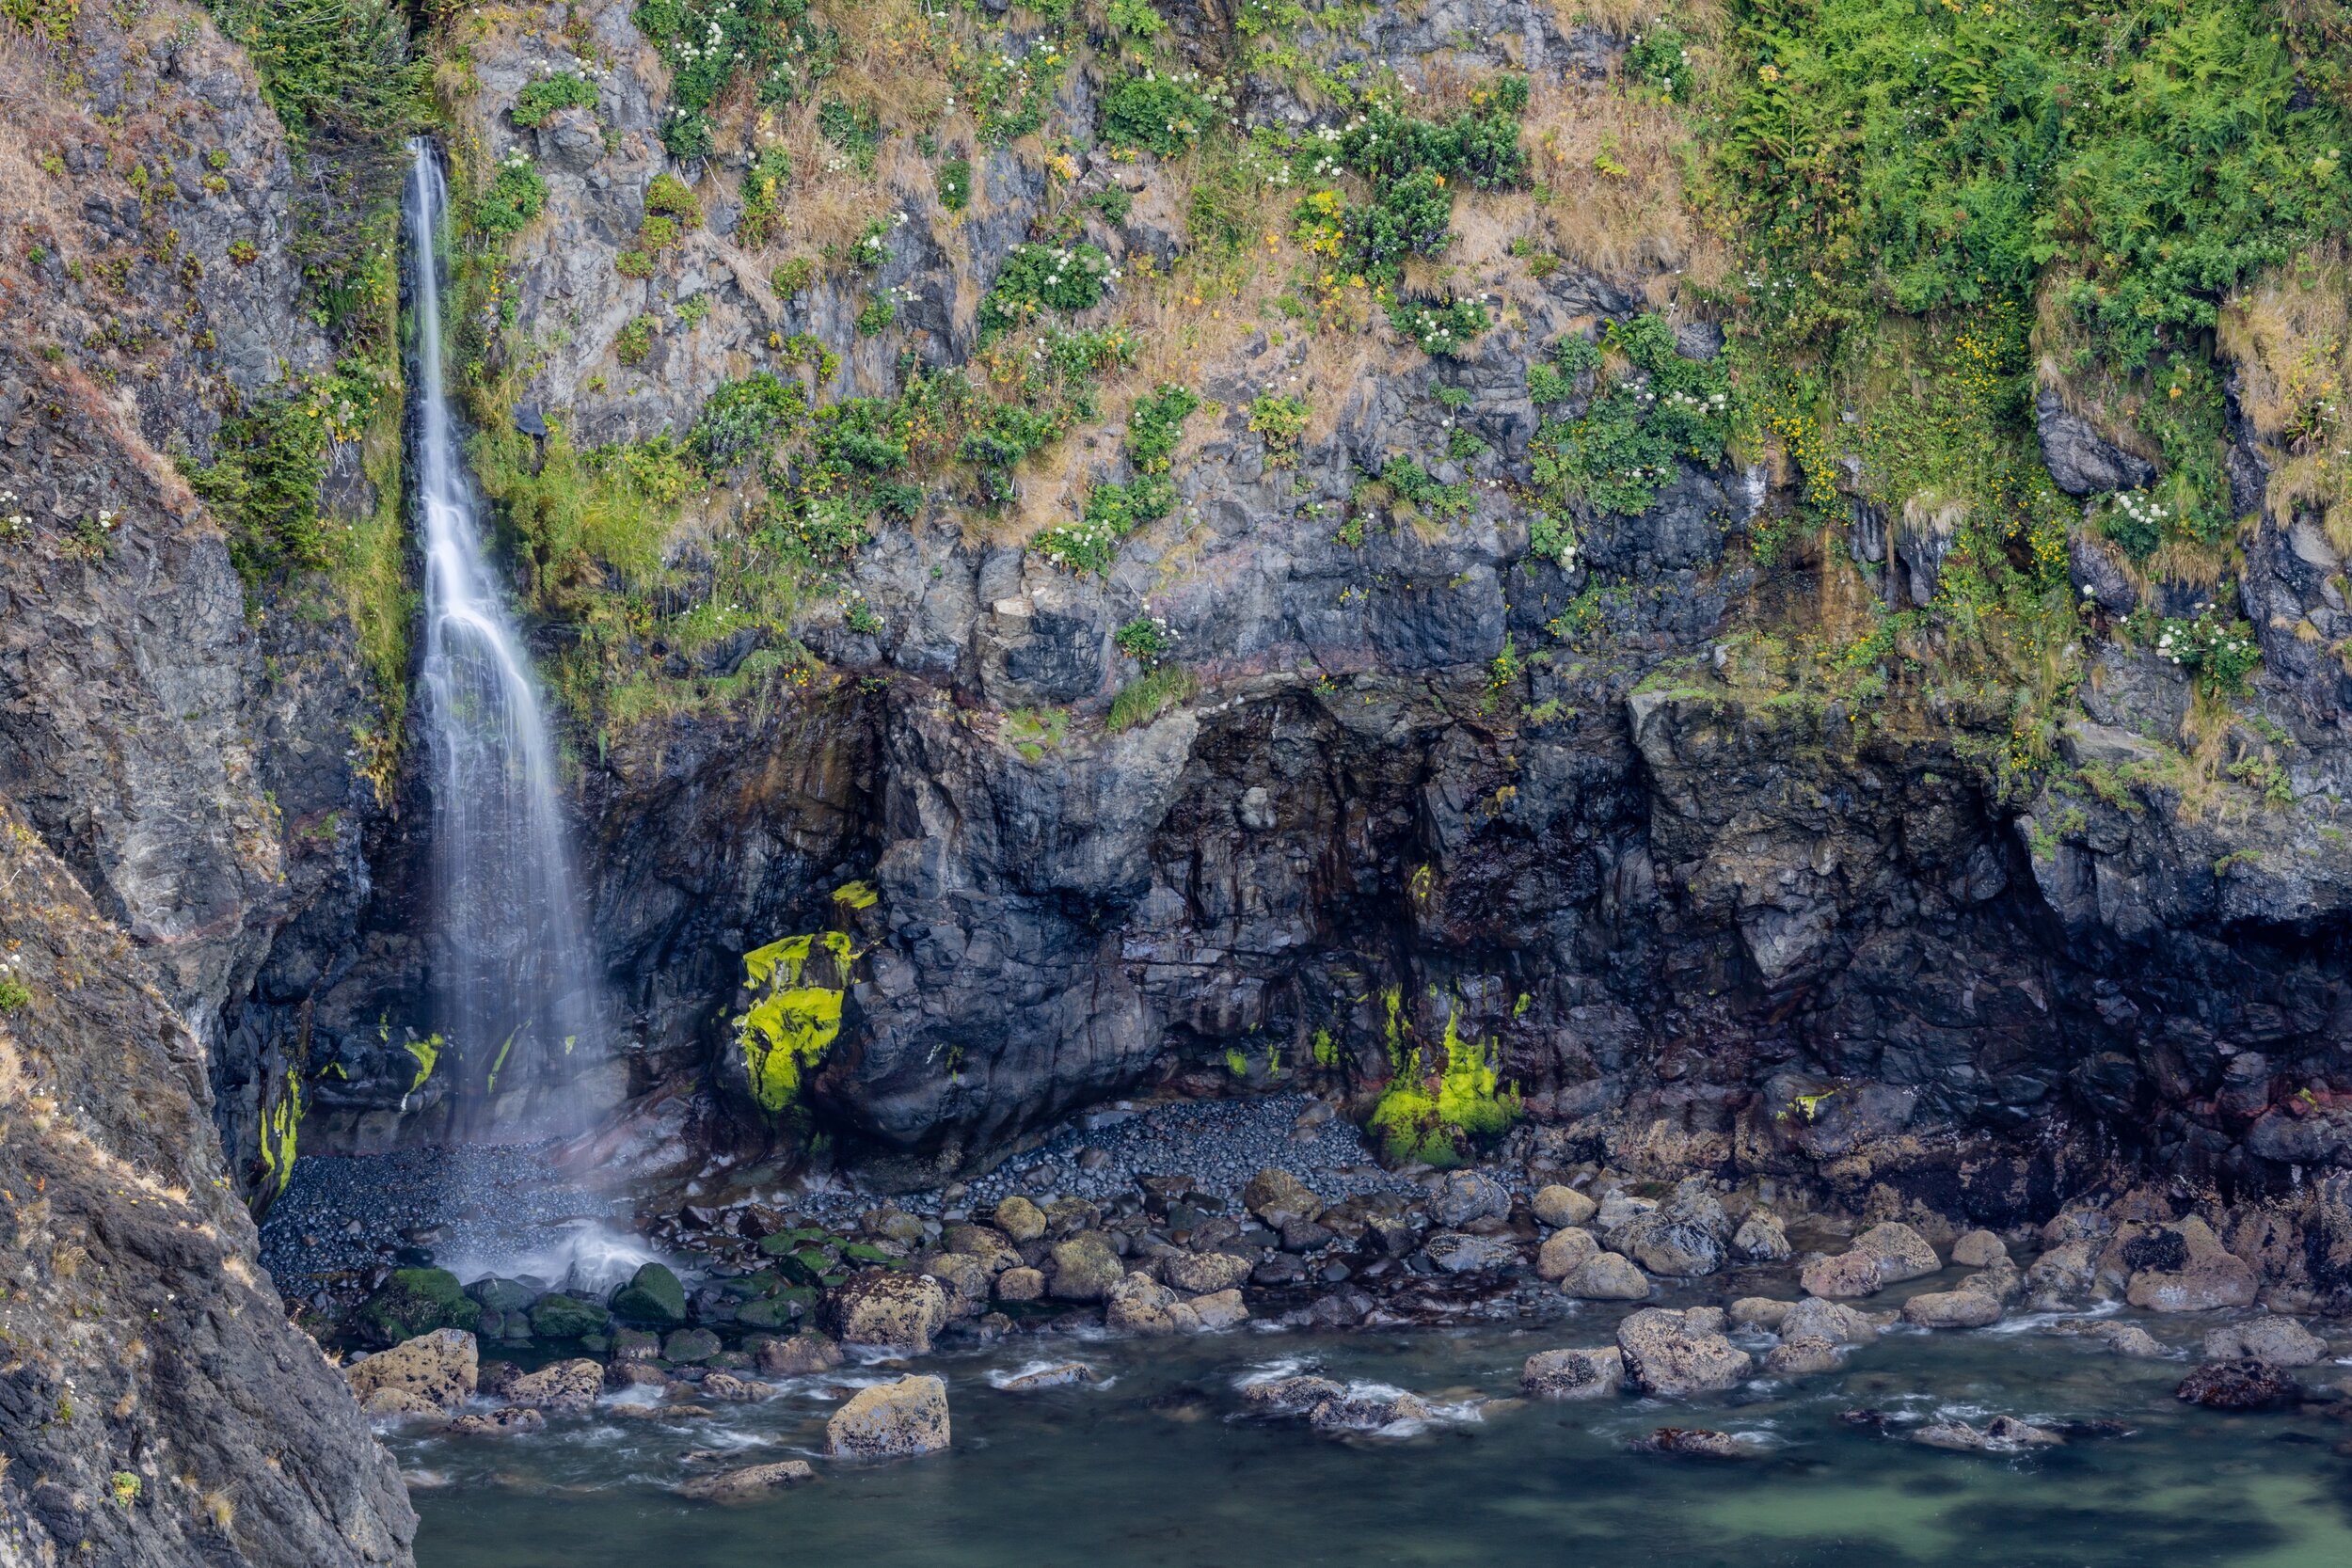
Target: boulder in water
805, 1352
686, 1346
1062, 1377
1952, 1309
1842, 1278
2274, 1342
513, 1420
653, 1298
567, 1387
1832, 1321
880, 1310
1761, 1239
907, 1417
1573, 1375
1979, 1249
437, 1370
1695, 1443
1606, 1277
1902, 1252
415, 1302
1665, 1356
1456, 1252
1803, 1355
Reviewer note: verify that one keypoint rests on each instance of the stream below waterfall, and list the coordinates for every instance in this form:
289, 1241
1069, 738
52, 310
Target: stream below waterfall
1162, 1463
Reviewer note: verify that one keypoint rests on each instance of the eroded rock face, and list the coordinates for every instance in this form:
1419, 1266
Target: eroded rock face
181, 1366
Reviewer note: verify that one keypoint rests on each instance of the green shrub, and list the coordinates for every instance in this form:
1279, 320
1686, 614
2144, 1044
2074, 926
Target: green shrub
1113, 510
857, 131
671, 197
1114, 203
633, 344
264, 483
657, 234
955, 184
633, 263
743, 417
877, 315
1436, 328
2220, 650
1625, 448
544, 96
1281, 420
1146, 639
516, 195
766, 184
1660, 60
1157, 114
339, 66
794, 275
1414, 165
1041, 276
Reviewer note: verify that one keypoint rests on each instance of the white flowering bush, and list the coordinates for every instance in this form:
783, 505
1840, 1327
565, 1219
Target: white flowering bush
1043, 276
2220, 652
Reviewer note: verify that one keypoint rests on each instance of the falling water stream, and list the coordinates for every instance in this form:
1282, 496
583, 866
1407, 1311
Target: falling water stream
513, 980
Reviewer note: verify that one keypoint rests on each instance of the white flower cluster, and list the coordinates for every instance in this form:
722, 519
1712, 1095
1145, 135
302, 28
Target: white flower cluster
2141, 508
517, 159
13, 524
1713, 404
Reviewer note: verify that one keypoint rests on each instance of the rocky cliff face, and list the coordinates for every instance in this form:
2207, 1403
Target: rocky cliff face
1585, 807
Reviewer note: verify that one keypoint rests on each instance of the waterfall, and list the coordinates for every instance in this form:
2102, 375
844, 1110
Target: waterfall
512, 972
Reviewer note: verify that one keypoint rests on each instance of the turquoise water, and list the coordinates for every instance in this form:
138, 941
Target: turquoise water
1159, 1465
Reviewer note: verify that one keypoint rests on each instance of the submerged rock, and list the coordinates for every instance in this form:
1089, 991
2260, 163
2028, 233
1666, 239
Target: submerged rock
1952, 1309
1696, 1443
512, 1420
1062, 1377
1328, 1406
2274, 1342
804, 1353
907, 1417
1801, 1356
748, 1484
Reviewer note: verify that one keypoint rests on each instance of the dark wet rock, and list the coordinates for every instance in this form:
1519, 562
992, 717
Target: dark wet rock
2082, 462
1280, 1199
2238, 1385
1062, 1377
686, 1346
653, 1298
557, 1316
2001, 1435
891, 1419
503, 1295
1328, 1406
2179, 1267
1306, 1236
1696, 1443
1463, 1195
1455, 1253
1760, 1239
1684, 1238
1573, 1375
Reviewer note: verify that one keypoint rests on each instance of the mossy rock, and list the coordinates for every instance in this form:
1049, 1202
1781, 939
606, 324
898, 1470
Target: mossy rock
862, 1251
764, 1314
417, 1301
784, 1241
501, 1295
688, 1345
563, 1316
653, 1297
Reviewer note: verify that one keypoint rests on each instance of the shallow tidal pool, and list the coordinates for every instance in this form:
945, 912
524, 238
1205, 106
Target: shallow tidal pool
1162, 1463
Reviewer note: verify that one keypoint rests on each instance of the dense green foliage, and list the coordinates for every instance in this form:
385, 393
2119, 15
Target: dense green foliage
1155, 113
1438, 327
335, 66
1414, 165
1113, 510
709, 43
264, 485
1039, 277
517, 194
1625, 446
543, 96
2134, 165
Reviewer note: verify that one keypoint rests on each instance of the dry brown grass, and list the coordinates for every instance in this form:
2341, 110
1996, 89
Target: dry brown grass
1614, 168
2291, 336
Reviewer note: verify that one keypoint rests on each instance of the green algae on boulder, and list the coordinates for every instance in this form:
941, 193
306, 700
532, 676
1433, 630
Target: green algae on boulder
653, 1295
563, 1316
415, 1302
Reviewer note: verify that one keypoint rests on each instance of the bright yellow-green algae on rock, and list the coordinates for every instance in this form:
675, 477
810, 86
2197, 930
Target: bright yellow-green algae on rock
1432, 1118
789, 1028
279, 1124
